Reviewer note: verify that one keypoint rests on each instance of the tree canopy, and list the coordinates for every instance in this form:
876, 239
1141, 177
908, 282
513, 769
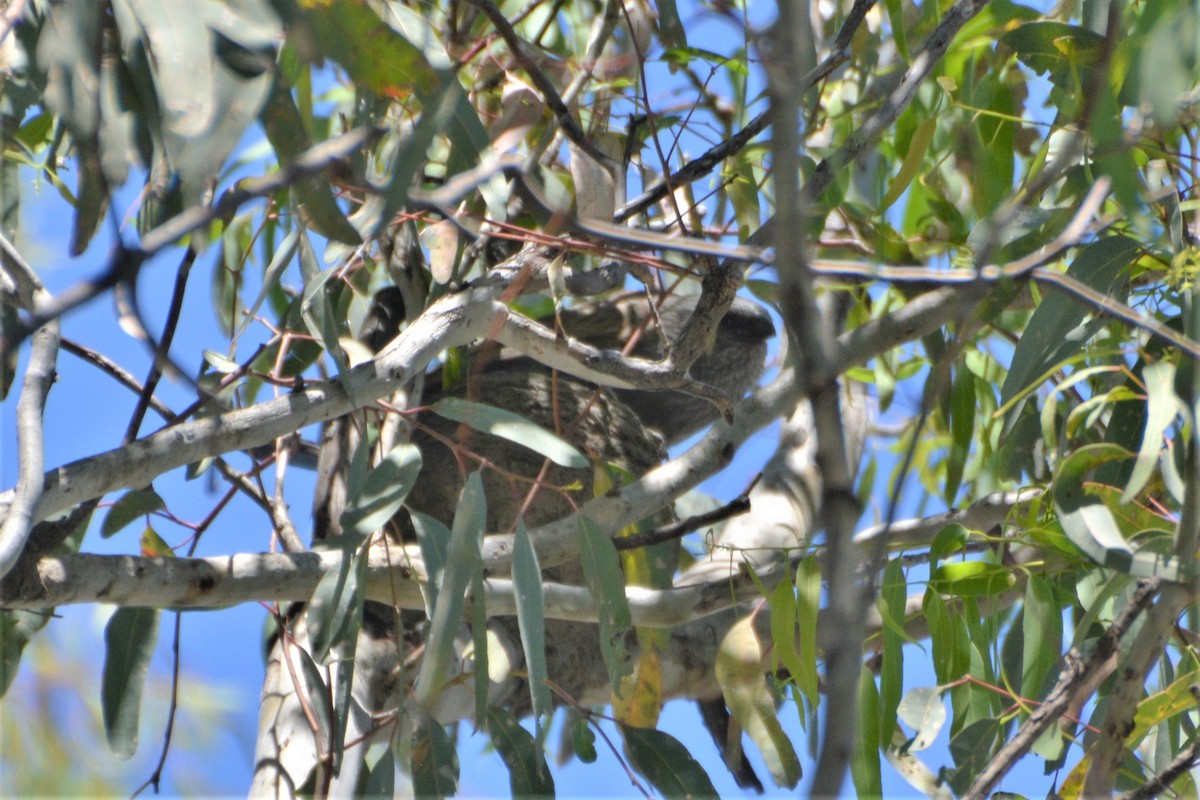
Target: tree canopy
968, 228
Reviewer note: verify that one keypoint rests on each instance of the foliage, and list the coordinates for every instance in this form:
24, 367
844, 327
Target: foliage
993, 238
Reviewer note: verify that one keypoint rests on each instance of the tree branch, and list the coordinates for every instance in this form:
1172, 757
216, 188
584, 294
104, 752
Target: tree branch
40, 373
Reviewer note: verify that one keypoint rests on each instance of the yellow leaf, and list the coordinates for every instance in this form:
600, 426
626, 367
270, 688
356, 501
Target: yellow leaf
640, 700
739, 672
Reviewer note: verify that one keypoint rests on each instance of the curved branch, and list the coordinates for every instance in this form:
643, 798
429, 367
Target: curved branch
39, 377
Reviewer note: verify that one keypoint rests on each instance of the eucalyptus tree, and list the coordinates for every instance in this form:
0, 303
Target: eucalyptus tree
478, 273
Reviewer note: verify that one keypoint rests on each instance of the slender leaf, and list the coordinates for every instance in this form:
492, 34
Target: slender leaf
666, 763
602, 572
335, 610
528, 773
129, 641
911, 165
17, 628
434, 539
531, 614
1162, 408
1042, 630
130, 506
373, 502
462, 566
891, 671
739, 670
435, 768
1060, 325
865, 763
511, 426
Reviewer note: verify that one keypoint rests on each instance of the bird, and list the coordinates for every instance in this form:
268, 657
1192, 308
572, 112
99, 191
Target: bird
629, 429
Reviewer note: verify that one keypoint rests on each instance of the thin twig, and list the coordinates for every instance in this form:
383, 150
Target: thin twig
117, 372
161, 350
667, 533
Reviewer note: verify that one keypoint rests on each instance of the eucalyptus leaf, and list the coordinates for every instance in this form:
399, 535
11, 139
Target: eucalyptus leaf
132, 505
129, 641
531, 615
666, 763
379, 496
17, 628
1061, 325
462, 565
602, 573
434, 766
528, 773
511, 426
335, 610
923, 710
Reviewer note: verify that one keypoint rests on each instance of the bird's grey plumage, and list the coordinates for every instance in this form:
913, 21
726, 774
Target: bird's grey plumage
627, 428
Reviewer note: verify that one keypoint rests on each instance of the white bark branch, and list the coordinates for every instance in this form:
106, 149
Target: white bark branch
39, 377
197, 583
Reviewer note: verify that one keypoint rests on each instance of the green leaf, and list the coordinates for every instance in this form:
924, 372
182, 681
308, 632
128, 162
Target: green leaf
335, 610
374, 55
511, 426
381, 780
666, 763
1056, 49
528, 773
962, 431
583, 741
670, 27
1170, 61
1057, 330
315, 308
1162, 407
531, 616
1090, 525
808, 602
891, 602
784, 649
971, 579
911, 165
130, 506
313, 196
17, 628
602, 573
972, 749
72, 30
373, 502
483, 653
462, 565
865, 763
317, 693
434, 760
202, 101
152, 544
129, 640
1042, 631
411, 154
433, 538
